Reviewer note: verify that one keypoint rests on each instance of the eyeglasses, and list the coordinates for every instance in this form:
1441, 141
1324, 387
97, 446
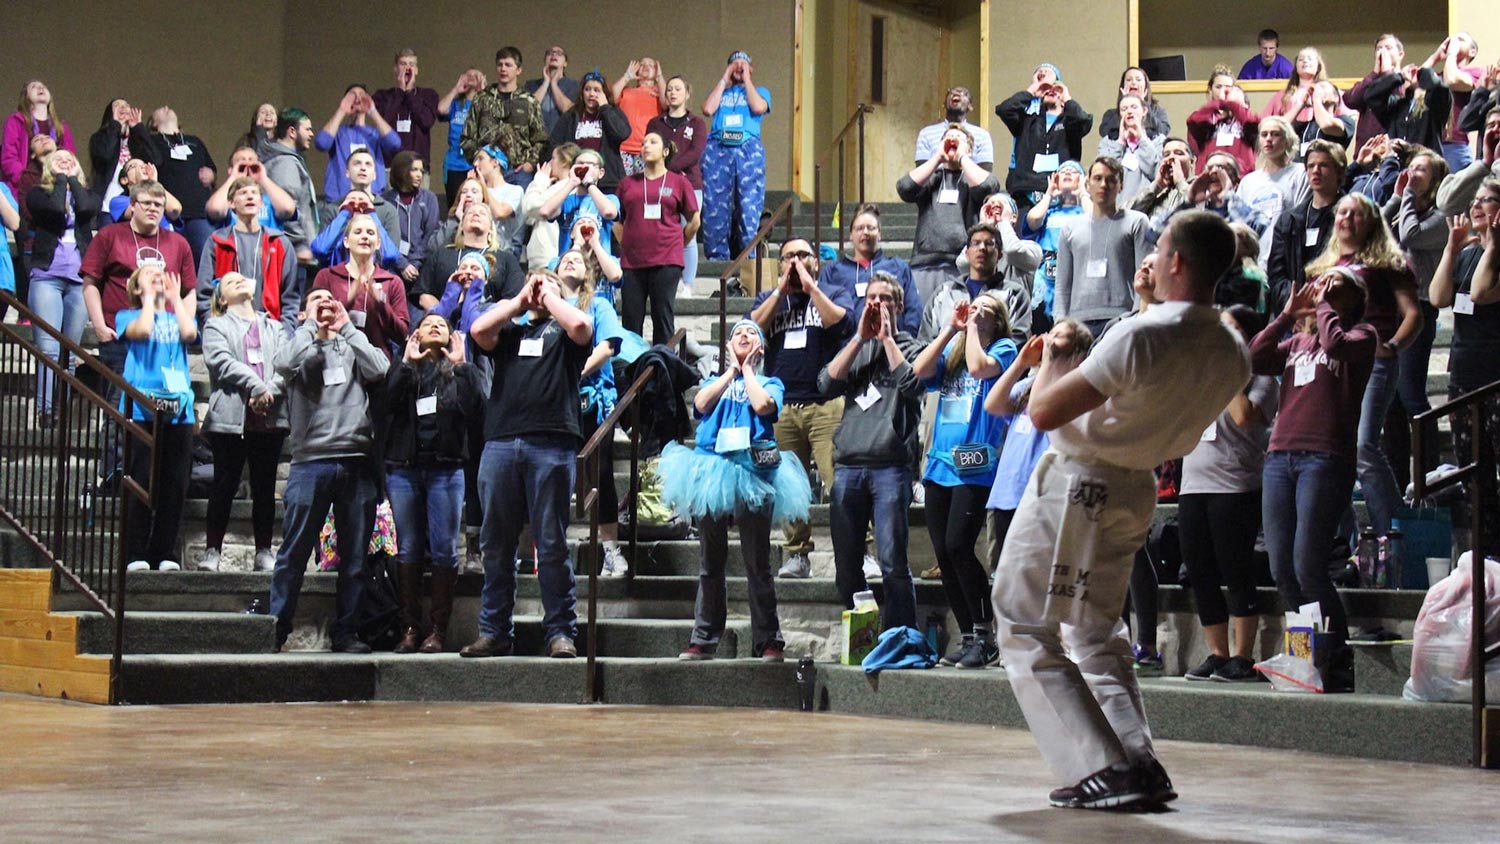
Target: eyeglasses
796, 256
1484, 200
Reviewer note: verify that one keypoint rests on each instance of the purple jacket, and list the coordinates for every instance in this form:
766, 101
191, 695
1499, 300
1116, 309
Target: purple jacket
1256, 69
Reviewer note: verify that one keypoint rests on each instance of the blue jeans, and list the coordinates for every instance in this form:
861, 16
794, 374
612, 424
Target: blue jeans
60, 303
690, 251
1376, 478
531, 475
883, 493
348, 486
1458, 154
428, 504
1303, 496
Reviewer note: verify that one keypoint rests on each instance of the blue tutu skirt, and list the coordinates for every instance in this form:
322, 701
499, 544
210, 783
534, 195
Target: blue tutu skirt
699, 484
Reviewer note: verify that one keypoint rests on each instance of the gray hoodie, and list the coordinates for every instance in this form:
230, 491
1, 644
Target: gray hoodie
330, 420
288, 170
879, 432
231, 377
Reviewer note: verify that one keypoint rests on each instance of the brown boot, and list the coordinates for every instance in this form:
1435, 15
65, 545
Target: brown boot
409, 579
443, 579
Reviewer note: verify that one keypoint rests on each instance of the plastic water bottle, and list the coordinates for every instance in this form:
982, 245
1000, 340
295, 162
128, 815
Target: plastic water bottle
1394, 539
807, 682
1366, 556
1383, 563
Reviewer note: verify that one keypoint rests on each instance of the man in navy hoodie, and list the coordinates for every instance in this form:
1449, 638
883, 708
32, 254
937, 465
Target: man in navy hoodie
853, 273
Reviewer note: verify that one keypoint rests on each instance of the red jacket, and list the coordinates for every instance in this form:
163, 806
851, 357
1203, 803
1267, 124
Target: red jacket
272, 259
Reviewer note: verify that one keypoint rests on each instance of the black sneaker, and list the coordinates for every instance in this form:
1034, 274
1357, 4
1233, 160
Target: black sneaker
1106, 789
1158, 785
1207, 667
351, 646
958, 651
982, 653
1237, 670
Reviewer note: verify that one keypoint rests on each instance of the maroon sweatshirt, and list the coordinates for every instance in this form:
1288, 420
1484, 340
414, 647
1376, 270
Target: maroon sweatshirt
1203, 133
1323, 378
688, 136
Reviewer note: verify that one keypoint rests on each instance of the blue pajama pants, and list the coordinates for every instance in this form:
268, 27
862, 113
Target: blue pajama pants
730, 172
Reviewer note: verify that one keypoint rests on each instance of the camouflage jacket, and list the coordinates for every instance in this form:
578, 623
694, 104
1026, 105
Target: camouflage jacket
511, 121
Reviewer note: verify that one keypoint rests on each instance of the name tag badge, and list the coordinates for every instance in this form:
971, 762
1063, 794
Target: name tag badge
531, 347
426, 405
652, 212
955, 409
1463, 303
1022, 424
253, 355
1311, 238
334, 376
732, 439
358, 318
1097, 268
356, 147
868, 399
1210, 433
795, 339
734, 121
1304, 373
180, 152
1302, 150
1130, 160
948, 196
175, 380
1226, 134
403, 126
405, 247
860, 287
1045, 162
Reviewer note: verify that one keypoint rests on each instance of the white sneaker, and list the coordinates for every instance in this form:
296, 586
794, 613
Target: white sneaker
139, 565
872, 567
210, 560
615, 564
796, 565
169, 565
473, 561
918, 493
265, 560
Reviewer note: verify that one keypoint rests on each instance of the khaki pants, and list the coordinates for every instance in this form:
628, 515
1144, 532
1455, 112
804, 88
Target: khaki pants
806, 430
1063, 574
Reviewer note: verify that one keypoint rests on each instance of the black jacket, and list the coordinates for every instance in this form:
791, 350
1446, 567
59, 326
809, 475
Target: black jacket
1033, 138
663, 413
460, 394
1290, 251
616, 129
49, 216
1394, 109
104, 153
505, 281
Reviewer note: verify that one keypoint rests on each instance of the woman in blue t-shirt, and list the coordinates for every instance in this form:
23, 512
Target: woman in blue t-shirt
735, 473
579, 272
961, 364
156, 329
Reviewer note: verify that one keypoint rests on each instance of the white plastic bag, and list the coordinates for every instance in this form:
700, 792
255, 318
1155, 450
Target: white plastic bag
1440, 664
1288, 673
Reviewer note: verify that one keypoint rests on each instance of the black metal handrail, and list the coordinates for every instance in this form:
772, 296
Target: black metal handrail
586, 498
856, 121
752, 249
59, 512
1478, 472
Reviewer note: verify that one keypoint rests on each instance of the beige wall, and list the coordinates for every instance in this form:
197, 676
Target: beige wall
1093, 53
333, 47
1343, 30
84, 52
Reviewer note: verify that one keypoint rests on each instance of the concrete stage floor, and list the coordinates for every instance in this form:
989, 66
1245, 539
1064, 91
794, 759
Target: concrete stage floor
506, 772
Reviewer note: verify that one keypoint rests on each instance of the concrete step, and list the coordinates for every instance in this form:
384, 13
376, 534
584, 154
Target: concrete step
166, 679
178, 633
1372, 726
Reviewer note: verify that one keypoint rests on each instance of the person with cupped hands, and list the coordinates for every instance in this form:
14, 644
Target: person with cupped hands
736, 474
539, 344
156, 329
961, 364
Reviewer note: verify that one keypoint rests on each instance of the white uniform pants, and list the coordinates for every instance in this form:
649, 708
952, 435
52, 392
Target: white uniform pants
1059, 590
